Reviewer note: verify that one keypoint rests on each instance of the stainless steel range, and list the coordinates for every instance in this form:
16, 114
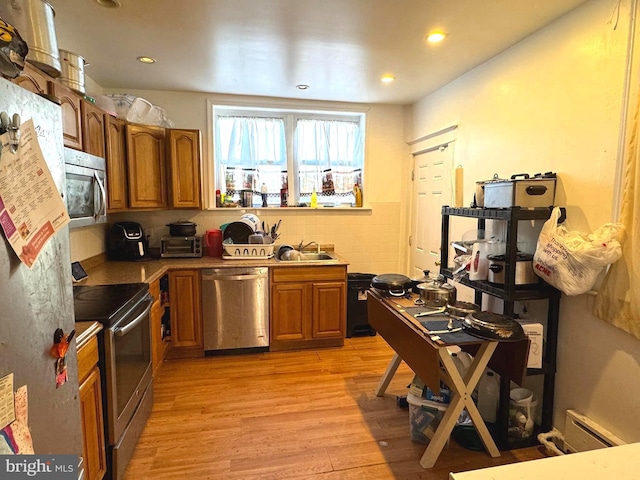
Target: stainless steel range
125, 363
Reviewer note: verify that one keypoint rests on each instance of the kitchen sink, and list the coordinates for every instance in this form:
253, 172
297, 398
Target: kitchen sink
307, 257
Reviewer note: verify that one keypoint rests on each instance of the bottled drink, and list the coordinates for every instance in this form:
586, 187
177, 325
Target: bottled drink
357, 194
488, 395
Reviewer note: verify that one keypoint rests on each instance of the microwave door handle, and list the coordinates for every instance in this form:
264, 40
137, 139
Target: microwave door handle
102, 210
122, 331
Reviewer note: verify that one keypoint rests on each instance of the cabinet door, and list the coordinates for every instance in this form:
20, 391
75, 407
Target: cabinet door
116, 164
329, 310
93, 141
186, 317
93, 452
289, 312
184, 163
71, 115
33, 80
146, 167
157, 343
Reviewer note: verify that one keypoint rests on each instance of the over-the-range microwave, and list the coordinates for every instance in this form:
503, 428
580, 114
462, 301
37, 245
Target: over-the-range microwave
86, 193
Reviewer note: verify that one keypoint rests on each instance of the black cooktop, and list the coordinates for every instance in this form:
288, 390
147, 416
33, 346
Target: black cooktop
106, 303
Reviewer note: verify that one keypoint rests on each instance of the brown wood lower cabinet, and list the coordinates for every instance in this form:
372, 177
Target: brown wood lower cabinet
308, 307
93, 451
186, 313
159, 344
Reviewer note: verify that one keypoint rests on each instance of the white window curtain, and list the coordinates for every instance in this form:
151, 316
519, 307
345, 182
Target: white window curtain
329, 155
250, 153
618, 300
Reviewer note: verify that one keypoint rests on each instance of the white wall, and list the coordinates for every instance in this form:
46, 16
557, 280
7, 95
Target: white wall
370, 239
553, 103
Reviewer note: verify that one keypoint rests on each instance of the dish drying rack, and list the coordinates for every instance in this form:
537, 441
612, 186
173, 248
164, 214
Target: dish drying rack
247, 251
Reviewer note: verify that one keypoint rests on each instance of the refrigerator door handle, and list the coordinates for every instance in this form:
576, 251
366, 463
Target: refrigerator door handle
102, 209
122, 331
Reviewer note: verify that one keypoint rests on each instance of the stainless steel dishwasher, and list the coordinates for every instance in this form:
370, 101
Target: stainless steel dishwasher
235, 308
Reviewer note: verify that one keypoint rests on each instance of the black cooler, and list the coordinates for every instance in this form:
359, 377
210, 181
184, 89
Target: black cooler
357, 321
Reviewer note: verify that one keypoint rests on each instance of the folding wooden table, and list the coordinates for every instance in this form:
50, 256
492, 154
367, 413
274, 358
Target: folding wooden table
428, 357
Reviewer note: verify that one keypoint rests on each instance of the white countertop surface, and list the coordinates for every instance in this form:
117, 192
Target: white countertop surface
613, 463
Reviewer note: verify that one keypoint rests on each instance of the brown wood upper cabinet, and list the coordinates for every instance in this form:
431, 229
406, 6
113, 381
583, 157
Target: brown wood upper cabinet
33, 80
93, 121
71, 115
146, 166
184, 168
117, 191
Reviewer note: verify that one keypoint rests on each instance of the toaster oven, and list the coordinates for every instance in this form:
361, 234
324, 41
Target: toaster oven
181, 247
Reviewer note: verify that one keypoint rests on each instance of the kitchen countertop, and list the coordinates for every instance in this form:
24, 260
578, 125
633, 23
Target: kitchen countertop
112, 272
85, 331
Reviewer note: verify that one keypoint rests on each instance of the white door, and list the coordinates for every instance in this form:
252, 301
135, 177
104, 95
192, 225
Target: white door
432, 179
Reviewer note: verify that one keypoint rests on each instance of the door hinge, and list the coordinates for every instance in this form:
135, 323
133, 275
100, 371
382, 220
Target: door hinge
409, 240
412, 174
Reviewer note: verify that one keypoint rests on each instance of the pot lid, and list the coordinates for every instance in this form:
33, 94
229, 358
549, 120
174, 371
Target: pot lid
182, 223
391, 278
238, 232
436, 286
390, 281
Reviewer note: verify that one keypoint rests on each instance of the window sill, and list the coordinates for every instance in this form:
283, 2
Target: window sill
295, 209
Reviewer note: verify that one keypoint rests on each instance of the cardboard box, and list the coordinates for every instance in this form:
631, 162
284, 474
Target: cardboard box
420, 390
533, 330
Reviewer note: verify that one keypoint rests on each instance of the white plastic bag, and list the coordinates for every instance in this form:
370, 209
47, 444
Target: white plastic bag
571, 261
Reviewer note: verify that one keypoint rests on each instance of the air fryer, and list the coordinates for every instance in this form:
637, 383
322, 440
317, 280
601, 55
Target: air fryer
126, 241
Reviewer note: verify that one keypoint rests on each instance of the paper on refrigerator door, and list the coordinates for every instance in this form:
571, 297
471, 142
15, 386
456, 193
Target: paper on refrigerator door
7, 412
31, 209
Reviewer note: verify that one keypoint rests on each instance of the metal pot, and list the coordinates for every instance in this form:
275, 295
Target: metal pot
391, 283
524, 269
437, 293
182, 228
72, 70
34, 20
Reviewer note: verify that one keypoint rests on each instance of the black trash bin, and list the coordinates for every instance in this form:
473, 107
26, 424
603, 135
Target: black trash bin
357, 321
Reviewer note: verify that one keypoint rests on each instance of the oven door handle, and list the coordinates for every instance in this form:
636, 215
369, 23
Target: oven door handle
121, 331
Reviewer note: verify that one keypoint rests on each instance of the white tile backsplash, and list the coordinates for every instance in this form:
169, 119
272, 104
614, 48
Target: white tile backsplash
368, 238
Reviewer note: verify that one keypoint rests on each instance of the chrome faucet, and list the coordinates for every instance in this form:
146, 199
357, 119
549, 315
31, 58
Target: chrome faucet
301, 247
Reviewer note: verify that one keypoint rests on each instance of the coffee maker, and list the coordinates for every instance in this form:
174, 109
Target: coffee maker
126, 241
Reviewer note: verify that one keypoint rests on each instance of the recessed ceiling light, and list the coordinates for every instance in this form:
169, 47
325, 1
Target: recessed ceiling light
109, 3
146, 60
387, 78
436, 37
302, 86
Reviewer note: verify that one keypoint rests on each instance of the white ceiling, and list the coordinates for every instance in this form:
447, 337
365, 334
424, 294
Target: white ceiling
340, 48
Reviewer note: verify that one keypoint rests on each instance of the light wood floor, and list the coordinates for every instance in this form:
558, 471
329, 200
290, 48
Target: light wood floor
295, 415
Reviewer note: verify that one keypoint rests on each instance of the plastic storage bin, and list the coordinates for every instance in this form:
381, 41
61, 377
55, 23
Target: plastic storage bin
424, 418
357, 321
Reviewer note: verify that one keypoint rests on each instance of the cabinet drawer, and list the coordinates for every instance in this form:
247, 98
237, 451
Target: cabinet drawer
303, 274
87, 358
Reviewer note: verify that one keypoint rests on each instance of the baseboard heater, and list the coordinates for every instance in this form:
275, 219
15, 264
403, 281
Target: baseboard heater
582, 434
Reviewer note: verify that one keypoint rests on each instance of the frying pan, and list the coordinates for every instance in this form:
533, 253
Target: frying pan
493, 326
394, 284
